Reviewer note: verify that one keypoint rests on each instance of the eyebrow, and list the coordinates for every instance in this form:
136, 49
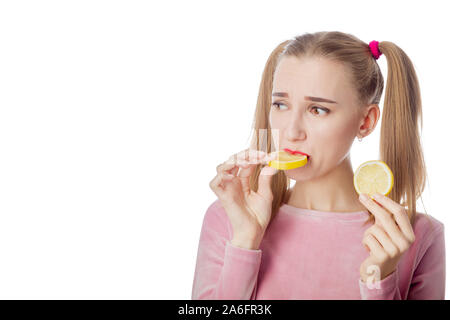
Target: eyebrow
315, 99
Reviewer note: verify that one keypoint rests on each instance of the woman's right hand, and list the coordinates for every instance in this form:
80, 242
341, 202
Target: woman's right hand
249, 212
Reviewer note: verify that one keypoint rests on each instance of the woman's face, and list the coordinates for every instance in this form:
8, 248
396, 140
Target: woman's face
322, 129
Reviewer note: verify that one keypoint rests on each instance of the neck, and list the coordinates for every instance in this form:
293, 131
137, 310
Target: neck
333, 191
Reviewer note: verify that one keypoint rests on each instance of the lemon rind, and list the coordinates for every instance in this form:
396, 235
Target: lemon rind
385, 167
288, 165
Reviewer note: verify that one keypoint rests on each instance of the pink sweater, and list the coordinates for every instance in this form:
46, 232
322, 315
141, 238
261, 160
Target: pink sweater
309, 254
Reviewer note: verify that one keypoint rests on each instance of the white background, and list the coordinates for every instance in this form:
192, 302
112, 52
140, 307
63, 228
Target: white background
115, 114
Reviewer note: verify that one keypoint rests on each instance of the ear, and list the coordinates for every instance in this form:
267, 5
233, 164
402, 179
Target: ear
369, 120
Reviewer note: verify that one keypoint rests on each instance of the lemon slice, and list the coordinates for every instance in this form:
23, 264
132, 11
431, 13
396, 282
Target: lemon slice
287, 161
373, 176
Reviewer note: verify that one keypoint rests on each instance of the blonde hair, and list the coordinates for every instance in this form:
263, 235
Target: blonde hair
400, 145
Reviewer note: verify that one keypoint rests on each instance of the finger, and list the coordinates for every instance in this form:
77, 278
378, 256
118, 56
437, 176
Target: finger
247, 170
226, 180
271, 156
230, 164
379, 212
268, 171
383, 239
260, 159
225, 166
375, 247
238, 156
242, 169
387, 221
255, 155
243, 164
244, 175
217, 184
265, 181
400, 215
249, 155
214, 184
234, 171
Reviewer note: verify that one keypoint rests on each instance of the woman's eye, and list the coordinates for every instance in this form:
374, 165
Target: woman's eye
316, 112
277, 105
322, 109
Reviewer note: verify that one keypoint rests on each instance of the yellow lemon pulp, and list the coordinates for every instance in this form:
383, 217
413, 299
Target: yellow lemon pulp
287, 161
372, 177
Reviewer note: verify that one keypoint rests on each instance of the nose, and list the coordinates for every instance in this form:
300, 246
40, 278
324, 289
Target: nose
295, 130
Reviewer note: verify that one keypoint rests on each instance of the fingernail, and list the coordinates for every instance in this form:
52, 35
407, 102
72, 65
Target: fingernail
363, 197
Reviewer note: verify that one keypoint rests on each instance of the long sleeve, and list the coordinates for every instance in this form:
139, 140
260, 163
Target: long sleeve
387, 289
428, 281
223, 271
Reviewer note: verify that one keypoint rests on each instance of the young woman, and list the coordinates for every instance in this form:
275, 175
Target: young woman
262, 240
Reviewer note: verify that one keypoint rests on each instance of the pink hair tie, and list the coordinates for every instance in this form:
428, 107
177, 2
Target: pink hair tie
376, 53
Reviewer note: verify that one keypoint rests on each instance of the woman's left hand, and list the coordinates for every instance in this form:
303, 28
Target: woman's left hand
388, 238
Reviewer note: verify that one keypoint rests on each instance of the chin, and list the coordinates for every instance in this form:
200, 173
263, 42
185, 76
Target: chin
299, 174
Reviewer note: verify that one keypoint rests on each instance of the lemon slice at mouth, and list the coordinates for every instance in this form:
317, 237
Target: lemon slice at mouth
287, 161
373, 176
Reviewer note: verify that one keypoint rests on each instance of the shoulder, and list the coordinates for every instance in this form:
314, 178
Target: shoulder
426, 229
216, 209
216, 216
426, 225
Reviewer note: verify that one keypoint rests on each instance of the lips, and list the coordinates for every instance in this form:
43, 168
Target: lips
296, 152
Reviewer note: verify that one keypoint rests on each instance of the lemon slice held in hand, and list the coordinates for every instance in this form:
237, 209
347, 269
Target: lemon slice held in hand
373, 176
286, 161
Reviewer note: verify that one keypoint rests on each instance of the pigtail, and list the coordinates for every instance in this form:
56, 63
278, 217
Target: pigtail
400, 141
